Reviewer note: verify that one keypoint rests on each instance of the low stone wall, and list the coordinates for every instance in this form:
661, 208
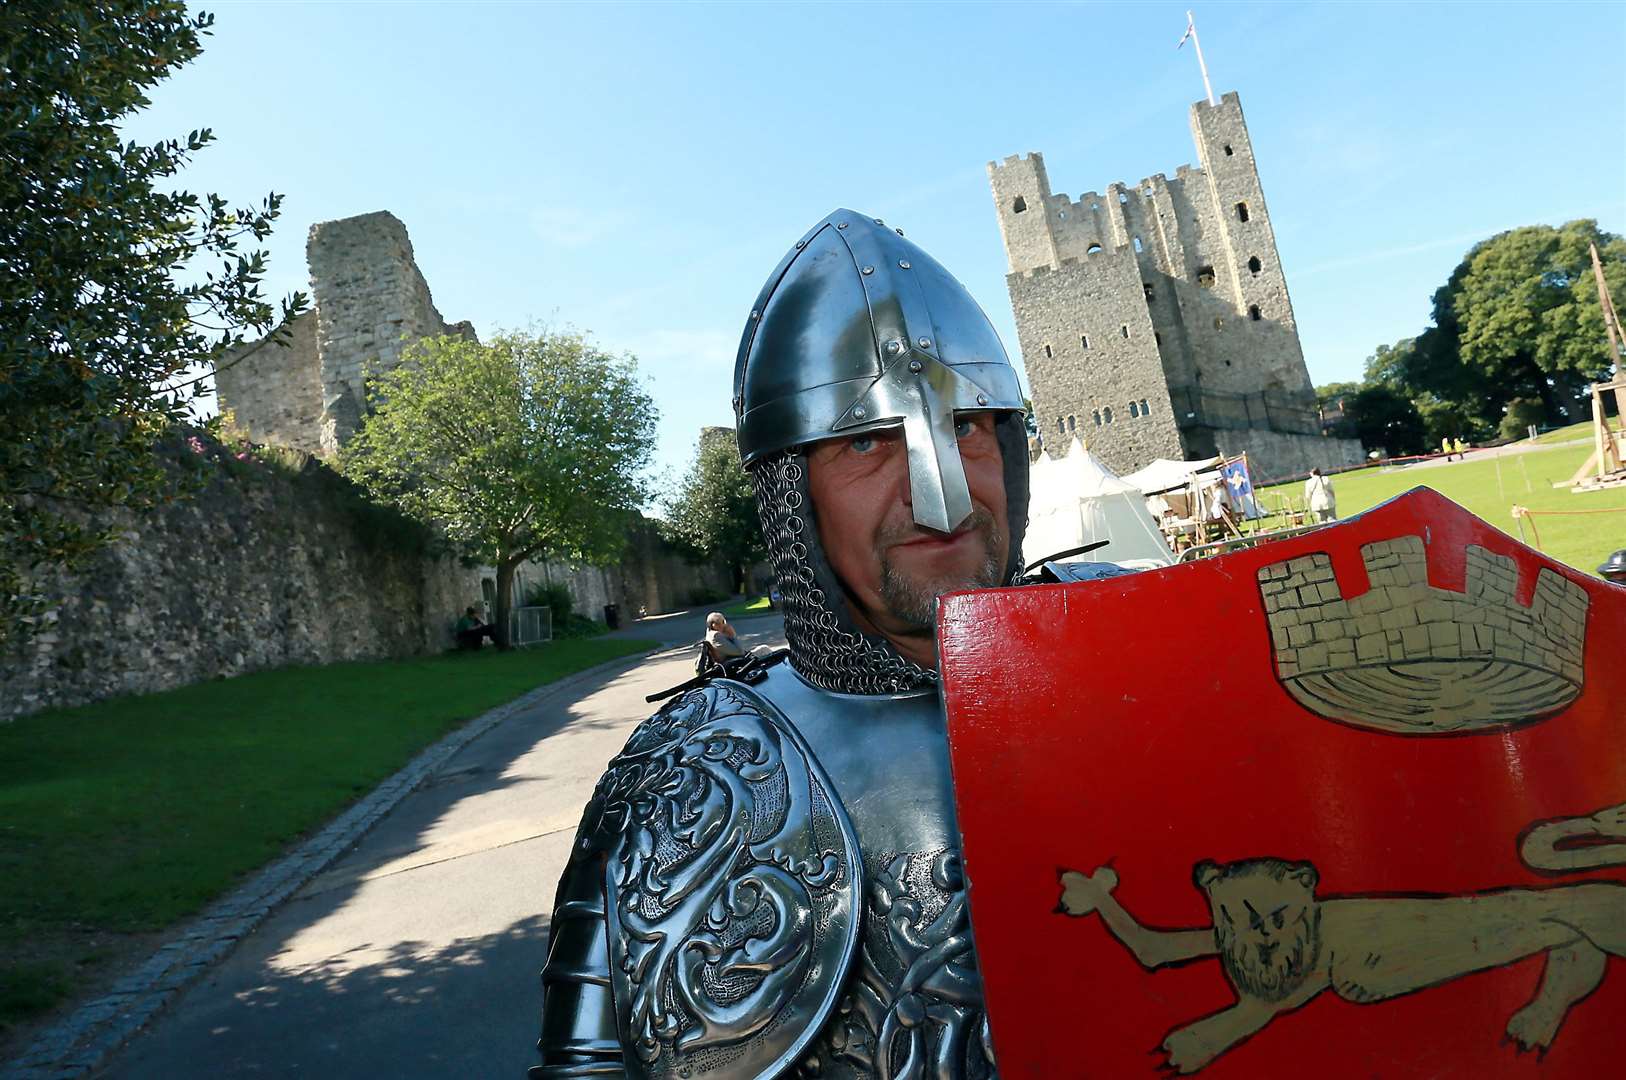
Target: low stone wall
273, 565
1276, 455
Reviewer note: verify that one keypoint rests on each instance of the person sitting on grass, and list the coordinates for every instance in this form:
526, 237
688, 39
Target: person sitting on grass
471, 632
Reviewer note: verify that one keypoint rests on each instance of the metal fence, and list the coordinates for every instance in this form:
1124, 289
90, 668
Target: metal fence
530, 625
1277, 411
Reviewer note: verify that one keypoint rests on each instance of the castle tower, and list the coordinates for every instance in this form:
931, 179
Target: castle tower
1154, 320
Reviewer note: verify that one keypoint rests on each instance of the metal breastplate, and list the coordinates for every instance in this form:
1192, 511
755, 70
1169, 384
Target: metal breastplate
772, 898
912, 1002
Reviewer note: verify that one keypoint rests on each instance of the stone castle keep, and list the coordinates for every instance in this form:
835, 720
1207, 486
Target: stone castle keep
1154, 320
370, 303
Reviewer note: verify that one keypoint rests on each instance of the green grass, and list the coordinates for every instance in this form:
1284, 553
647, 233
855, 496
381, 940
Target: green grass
126, 815
758, 606
1583, 430
1583, 541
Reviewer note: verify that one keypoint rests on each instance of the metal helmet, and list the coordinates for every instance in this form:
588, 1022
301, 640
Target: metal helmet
858, 329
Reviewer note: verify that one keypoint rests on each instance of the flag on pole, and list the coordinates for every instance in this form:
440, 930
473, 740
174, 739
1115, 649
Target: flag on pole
1191, 28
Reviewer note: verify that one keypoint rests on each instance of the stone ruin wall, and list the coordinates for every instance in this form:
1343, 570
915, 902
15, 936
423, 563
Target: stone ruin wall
370, 303
268, 567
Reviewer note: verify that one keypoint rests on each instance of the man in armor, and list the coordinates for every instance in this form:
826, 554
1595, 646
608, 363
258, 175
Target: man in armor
766, 881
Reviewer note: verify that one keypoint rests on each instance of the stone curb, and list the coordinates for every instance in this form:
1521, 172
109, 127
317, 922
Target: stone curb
84, 1040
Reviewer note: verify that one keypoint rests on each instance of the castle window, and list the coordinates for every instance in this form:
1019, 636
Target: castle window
1084, 340
1018, 205
1228, 150
1094, 249
1253, 312
1047, 352
1072, 423
1137, 243
1146, 287
1061, 426
1158, 338
1096, 207
1143, 409
1106, 415
1124, 330
1098, 418
1134, 410
1123, 197
1205, 277
1219, 324
1254, 264
1062, 214
1242, 211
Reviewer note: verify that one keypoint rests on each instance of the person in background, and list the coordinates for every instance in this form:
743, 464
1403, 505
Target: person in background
722, 639
1318, 493
471, 631
1614, 568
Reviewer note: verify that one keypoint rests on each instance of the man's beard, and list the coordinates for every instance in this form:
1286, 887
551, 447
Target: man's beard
914, 602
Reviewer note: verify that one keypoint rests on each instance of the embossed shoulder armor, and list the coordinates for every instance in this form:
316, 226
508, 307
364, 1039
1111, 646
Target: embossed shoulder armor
710, 909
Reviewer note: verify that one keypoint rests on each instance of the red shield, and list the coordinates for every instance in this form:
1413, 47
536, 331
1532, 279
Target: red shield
1351, 804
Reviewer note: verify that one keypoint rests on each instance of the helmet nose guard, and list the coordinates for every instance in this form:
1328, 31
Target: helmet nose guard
858, 329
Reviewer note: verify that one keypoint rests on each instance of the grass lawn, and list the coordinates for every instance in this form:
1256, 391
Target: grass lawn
118, 818
1583, 540
759, 606
1583, 430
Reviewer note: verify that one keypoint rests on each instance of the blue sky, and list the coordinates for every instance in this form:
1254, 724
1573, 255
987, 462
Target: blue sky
636, 170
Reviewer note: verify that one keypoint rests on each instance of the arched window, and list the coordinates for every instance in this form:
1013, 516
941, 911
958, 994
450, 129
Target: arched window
1123, 197
1134, 409
1205, 277
1047, 352
1084, 340
1137, 243
1072, 423
1254, 264
1242, 211
1228, 150
1146, 287
1098, 418
1094, 249
1106, 415
1143, 409
1124, 330
1253, 312
1018, 205
1061, 426
1219, 324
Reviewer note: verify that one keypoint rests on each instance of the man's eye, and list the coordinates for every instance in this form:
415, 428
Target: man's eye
862, 444
964, 427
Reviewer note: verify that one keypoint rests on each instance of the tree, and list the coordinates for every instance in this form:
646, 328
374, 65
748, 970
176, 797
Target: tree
532, 445
714, 510
99, 333
1518, 318
1385, 418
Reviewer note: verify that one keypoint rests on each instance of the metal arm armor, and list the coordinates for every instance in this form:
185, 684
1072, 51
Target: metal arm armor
710, 909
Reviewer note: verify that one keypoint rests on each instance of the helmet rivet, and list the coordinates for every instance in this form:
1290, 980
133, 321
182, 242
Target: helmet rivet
904, 263
800, 244
756, 314
982, 399
894, 347
878, 221
925, 343
898, 231
915, 366
869, 270
841, 224
858, 412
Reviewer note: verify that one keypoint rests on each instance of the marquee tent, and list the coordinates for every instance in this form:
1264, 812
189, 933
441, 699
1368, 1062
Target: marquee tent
1166, 474
1076, 500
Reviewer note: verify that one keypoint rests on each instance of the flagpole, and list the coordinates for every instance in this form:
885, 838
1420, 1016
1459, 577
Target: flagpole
1191, 28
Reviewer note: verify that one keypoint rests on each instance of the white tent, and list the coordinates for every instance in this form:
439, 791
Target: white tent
1077, 500
1166, 474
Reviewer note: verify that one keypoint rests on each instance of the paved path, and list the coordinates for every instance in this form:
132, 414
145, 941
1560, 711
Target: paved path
416, 954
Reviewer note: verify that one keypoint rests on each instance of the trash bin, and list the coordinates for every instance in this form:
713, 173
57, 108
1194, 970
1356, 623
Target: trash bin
612, 616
